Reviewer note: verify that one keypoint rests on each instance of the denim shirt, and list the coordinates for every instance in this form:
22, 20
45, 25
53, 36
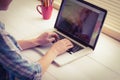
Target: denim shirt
11, 63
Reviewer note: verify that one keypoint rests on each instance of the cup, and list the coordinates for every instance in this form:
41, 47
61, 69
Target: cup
45, 11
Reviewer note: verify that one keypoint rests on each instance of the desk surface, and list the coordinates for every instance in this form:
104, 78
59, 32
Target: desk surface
23, 21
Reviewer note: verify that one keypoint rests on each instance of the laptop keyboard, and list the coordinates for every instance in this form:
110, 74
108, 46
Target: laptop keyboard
75, 48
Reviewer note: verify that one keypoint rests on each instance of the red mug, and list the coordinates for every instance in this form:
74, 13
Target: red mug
46, 12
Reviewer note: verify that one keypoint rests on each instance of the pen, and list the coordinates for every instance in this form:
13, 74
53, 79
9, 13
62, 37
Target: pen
51, 2
42, 2
47, 3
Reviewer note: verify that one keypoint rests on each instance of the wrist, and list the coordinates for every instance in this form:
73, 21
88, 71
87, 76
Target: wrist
52, 53
34, 42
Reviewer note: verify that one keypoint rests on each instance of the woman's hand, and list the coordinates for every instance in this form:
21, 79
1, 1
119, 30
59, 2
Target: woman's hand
60, 46
46, 38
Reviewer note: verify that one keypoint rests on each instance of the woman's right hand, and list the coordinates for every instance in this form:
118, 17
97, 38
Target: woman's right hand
57, 48
61, 46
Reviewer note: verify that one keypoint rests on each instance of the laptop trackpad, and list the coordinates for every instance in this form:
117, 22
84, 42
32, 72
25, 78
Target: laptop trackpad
64, 59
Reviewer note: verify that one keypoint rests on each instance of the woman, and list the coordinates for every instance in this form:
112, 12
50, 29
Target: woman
13, 65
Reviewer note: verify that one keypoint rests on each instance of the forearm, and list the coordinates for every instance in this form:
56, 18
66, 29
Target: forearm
26, 44
46, 60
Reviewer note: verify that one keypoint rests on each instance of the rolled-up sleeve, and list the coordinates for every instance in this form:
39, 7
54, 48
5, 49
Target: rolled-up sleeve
13, 62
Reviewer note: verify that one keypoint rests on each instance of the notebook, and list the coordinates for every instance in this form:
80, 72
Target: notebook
80, 22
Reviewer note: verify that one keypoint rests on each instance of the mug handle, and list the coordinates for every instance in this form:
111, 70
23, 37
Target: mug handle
37, 7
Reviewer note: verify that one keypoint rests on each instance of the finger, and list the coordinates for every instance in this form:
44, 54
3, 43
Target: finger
51, 40
67, 41
70, 46
52, 34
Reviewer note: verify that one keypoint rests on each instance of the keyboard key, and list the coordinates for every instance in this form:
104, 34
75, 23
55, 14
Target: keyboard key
75, 48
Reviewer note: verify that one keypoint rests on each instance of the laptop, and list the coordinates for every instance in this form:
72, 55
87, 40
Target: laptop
80, 22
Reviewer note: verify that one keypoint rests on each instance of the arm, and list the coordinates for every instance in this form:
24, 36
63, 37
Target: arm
13, 62
43, 39
26, 44
58, 48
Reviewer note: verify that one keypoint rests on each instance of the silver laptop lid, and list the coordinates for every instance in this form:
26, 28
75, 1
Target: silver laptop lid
80, 21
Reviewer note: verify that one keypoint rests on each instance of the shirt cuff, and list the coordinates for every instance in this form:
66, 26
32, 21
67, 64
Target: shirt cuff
39, 73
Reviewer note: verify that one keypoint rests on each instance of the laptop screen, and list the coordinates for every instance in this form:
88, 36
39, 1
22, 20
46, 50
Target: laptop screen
80, 21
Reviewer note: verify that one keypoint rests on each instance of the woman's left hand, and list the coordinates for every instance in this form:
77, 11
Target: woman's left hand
46, 37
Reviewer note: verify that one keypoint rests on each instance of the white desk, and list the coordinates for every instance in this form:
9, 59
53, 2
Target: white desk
22, 21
